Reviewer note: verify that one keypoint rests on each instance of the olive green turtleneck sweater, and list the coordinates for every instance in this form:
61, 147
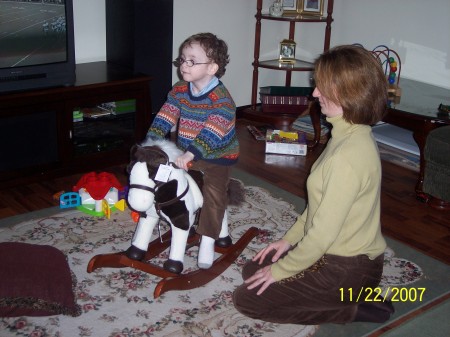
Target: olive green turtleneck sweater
343, 213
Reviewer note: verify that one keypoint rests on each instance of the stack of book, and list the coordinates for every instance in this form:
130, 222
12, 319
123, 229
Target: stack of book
285, 99
304, 124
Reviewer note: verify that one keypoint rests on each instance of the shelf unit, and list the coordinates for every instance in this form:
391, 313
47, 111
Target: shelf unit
283, 120
49, 139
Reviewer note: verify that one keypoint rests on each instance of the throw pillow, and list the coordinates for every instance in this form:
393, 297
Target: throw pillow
35, 280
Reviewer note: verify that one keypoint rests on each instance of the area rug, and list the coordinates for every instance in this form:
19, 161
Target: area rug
119, 302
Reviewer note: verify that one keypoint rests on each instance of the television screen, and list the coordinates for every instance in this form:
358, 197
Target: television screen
36, 44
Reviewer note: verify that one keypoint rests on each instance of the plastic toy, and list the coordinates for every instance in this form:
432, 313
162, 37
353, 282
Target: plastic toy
57, 195
390, 61
286, 136
95, 194
392, 64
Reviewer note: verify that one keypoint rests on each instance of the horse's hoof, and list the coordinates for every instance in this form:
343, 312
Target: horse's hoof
224, 242
135, 253
173, 266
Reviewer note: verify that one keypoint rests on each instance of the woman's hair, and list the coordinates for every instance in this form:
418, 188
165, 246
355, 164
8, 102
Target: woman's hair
215, 49
353, 78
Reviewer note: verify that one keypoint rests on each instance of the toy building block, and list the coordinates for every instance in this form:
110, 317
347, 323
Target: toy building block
97, 194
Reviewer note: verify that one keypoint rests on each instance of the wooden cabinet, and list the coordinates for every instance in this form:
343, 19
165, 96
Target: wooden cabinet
282, 120
43, 136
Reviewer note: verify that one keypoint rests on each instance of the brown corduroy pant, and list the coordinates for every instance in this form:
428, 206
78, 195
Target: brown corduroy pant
215, 197
317, 295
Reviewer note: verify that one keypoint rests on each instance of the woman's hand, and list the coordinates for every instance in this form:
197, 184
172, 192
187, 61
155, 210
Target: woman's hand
280, 247
183, 160
264, 276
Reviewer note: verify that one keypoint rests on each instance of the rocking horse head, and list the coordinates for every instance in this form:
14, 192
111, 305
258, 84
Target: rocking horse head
142, 169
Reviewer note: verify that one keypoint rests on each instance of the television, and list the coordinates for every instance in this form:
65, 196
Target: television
37, 47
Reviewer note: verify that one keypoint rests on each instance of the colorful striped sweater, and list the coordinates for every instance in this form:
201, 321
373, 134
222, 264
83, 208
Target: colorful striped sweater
206, 124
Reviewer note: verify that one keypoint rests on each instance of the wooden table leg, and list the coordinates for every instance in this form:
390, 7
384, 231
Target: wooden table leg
315, 112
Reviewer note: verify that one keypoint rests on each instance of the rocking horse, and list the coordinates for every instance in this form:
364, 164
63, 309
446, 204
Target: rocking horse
158, 191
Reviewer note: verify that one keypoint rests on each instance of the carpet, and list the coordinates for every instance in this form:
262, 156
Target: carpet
119, 302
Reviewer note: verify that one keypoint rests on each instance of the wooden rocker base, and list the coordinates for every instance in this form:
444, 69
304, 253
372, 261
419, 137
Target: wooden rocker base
171, 281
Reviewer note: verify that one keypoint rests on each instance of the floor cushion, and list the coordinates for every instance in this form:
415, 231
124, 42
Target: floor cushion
35, 281
437, 164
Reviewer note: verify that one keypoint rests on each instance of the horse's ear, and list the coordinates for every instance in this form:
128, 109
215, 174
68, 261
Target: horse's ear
130, 166
133, 150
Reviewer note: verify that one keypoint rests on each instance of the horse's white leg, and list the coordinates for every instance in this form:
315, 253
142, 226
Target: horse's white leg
144, 232
177, 250
142, 237
206, 252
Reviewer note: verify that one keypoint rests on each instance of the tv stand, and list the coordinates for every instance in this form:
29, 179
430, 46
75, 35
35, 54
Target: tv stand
85, 127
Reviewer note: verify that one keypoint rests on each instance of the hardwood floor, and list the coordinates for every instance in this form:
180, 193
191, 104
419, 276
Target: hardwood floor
403, 217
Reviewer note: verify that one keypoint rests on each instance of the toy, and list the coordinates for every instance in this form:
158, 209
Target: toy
176, 200
392, 68
57, 195
95, 194
160, 190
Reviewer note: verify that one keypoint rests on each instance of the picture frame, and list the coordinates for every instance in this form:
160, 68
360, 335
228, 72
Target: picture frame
291, 7
303, 7
287, 51
312, 7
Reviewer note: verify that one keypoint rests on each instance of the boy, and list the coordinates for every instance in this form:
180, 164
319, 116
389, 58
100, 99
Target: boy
204, 113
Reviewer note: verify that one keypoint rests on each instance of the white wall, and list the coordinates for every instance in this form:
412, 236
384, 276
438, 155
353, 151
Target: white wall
90, 30
416, 29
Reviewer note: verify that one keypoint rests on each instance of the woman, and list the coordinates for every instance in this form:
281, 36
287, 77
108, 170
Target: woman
335, 249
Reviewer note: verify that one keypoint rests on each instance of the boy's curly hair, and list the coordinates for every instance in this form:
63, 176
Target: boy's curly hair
215, 48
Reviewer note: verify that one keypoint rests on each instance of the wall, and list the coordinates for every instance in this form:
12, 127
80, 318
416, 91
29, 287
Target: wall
90, 31
416, 29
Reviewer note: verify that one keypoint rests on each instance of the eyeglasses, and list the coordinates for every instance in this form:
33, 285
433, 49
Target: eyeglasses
178, 62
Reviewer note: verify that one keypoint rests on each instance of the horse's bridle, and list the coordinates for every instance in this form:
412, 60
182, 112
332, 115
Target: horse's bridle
146, 188
160, 205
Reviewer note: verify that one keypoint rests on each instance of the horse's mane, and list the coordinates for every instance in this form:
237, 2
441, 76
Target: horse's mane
153, 153
169, 147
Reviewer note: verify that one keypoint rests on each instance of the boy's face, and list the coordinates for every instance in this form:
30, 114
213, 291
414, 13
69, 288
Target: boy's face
198, 73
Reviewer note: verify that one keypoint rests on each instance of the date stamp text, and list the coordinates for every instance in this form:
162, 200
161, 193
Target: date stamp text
378, 294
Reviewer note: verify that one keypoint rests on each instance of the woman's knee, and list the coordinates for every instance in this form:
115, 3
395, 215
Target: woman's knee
244, 302
238, 297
